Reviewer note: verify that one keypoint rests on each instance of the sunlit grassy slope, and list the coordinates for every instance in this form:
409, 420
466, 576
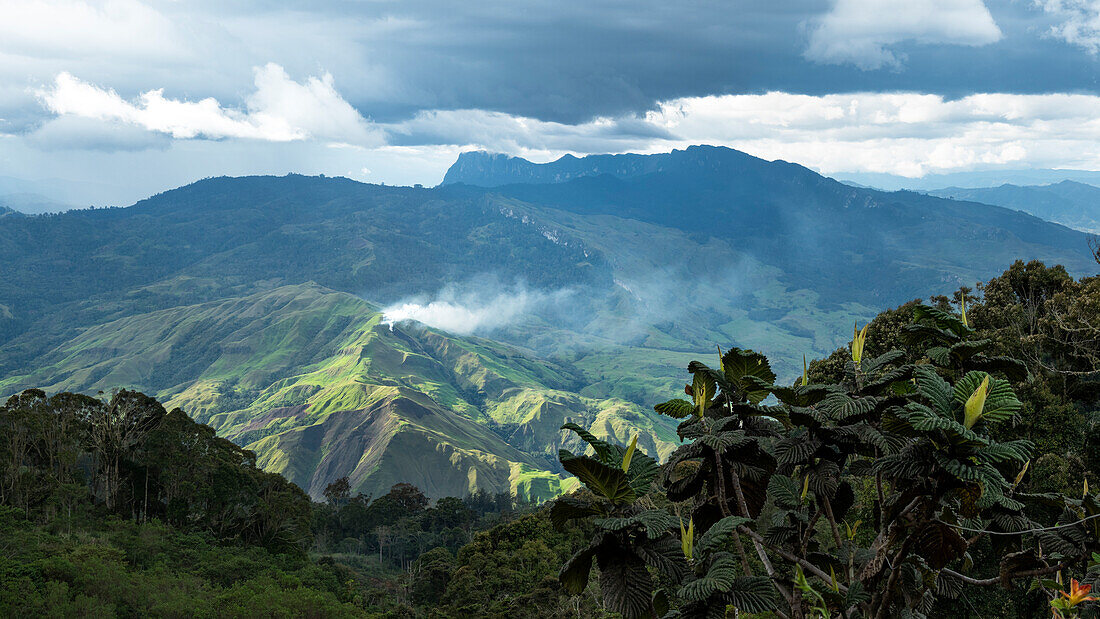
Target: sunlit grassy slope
312, 381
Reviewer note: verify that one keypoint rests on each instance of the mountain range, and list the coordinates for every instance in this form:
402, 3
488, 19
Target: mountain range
271, 307
1072, 204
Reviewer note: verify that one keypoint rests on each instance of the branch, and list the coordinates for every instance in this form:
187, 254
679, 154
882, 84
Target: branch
723, 504
1025, 531
806, 565
997, 579
756, 539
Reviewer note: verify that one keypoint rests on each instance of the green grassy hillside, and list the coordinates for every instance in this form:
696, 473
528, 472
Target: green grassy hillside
315, 384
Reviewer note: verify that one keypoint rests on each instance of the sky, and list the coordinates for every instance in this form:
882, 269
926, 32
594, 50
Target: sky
108, 101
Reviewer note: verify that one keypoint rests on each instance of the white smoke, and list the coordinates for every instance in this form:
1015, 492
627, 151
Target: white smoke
472, 308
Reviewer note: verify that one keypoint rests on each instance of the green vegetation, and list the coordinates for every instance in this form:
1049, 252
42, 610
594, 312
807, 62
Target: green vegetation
237, 301
312, 382
895, 479
943, 457
119, 508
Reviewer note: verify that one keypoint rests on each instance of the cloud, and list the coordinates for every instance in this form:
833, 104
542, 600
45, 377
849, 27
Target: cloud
278, 110
522, 135
1079, 22
478, 306
102, 28
907, 134
79, 133
861, 31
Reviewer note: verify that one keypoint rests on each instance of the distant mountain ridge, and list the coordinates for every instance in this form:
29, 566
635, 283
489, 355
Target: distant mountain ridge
32, 203
842, 241
1072, 204
485, 169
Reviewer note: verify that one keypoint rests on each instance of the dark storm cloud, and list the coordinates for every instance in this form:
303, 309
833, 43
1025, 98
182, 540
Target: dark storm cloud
569, 62
558, 61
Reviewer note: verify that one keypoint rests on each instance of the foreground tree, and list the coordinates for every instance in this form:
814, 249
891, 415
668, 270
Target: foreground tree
868, 495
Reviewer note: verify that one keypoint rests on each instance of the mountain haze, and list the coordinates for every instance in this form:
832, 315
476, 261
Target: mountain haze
258, 304
1072, 204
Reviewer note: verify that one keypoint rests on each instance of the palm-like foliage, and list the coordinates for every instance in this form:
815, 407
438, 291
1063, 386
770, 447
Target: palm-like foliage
910, 431
631, 536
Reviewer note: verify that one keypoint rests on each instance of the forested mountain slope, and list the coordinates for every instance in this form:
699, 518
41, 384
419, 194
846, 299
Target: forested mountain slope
241, 300
846, 243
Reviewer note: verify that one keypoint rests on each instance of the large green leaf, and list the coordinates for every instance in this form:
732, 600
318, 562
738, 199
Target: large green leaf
677, 408
643, 470
574, 574
967, 349
1010, 451
784, 491
606, 481
922, 418
943, 320
654, 522
568, 508
872, 366
842, 406
718, 534
722, 441
625, 582
799, 395
1001, 402
739, 365
721, 574
606, 452
935, 389
665, 555
752, 594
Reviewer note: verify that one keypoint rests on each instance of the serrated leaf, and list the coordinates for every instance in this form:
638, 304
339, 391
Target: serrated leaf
654, 522
606, 481
724, 440
605, 452
677, 408
784, 491
718, 534
626, 585
567, 508
738, 365
574, 574
752, 594
720, 577
935, 389
942, 320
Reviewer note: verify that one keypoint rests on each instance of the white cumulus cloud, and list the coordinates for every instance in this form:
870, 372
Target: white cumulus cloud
861, 32
909, 134
100, 28
1079, 21
278, 110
